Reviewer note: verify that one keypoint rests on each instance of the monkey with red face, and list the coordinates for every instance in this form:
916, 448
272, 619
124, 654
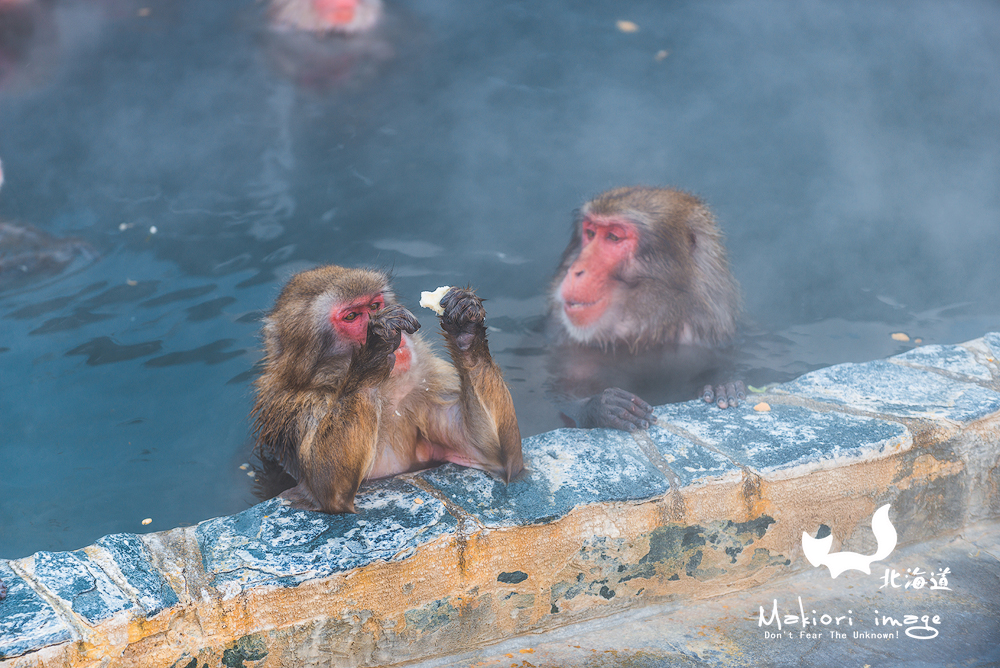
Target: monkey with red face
351, 392
645, 272
326, 16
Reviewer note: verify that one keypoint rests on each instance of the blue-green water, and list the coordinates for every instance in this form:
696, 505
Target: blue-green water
850, 151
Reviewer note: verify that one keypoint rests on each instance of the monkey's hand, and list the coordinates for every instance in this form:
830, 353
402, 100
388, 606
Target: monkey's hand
374, 361
725, 396
464, 317
615, 408
386, 327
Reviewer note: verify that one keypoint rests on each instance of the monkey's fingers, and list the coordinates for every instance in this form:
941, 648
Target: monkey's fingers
400, 318
462, 306
726, 396
615, 408
386, 327
737, 392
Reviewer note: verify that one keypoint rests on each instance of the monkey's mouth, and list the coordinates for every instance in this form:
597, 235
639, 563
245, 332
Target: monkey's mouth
583, 314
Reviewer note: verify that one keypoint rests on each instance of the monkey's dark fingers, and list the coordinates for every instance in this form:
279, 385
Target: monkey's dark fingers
615, 408
462, 306
389, 323
720, 397
725, 396
384, 332
631, 403
736, 392
400, 318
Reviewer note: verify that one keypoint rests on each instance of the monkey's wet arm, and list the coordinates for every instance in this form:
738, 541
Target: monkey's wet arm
336, 454
485, 408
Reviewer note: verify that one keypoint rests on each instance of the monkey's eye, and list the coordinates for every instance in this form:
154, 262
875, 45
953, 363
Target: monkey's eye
374, 306
351, 316
590, 234
613, 237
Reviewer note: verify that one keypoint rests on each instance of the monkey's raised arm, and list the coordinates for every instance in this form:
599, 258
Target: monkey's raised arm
488, 431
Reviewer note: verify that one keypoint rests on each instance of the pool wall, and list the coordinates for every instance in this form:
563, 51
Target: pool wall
442, 561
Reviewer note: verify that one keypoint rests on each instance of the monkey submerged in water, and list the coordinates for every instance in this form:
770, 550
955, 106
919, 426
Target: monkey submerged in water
326, 16
645, 272
28, 253
350, 392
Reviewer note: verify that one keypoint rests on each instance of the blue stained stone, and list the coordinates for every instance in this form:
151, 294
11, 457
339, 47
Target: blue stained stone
272, 543
955, 359
565, 468
74, 578
27, 622
993, 341
783, 437
892, 389
690, 461
133, 559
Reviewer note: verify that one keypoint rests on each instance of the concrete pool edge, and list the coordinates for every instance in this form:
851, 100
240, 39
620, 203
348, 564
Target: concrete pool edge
706, 502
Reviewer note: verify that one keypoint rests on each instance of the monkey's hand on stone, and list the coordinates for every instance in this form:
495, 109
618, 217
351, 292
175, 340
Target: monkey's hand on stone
725, 396
614, 408
464, 317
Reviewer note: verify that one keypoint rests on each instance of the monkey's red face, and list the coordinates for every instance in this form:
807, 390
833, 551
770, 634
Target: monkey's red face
335, 13
588, 289
350, 321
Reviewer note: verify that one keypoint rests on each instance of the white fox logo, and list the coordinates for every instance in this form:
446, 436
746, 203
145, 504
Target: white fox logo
818, 549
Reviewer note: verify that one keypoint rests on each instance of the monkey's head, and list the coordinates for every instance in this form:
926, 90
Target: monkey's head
644, 266
320, 319
337, 16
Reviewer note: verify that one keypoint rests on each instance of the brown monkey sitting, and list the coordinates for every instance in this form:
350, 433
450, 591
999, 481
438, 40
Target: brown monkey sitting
350, 392
645, 270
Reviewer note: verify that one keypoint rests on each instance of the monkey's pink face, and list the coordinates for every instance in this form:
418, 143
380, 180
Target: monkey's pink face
350, 321
588, 289
335, 13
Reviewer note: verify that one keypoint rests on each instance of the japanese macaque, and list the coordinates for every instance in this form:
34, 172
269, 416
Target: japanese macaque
326, 16
351, 392
645, 273
320, 44
27, 252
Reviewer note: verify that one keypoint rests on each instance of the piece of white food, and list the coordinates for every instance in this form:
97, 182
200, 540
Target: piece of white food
432, 300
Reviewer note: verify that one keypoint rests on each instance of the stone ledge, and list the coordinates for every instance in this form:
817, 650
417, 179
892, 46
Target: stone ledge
705, 502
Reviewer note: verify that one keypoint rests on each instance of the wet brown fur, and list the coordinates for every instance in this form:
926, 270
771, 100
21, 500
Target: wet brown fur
329, 419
